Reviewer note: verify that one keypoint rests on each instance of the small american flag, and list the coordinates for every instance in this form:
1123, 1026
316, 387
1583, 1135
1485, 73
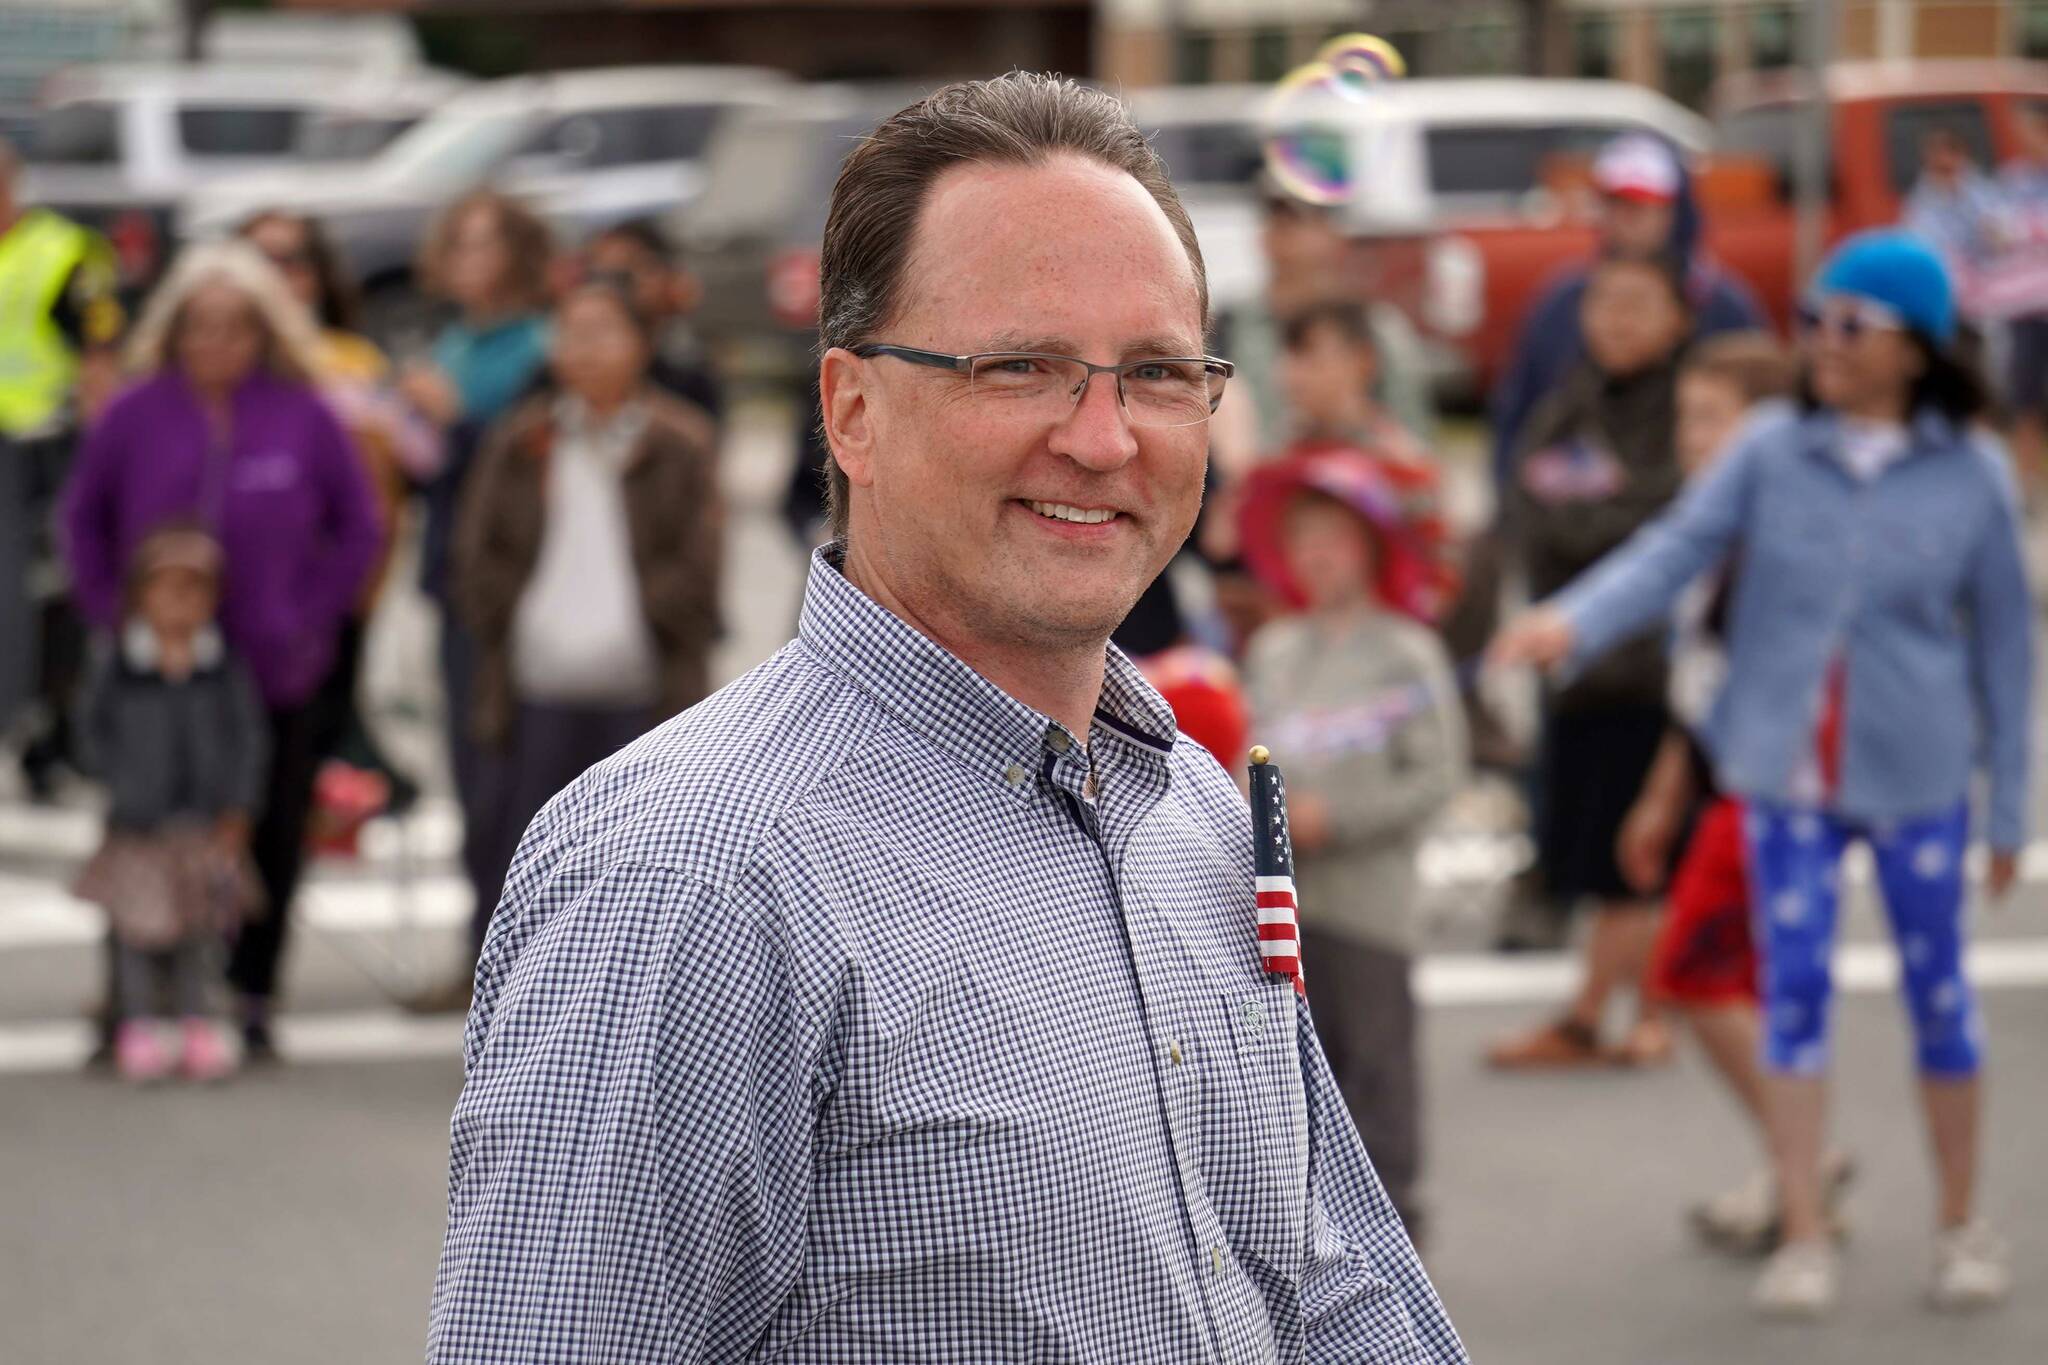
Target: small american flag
1273, 866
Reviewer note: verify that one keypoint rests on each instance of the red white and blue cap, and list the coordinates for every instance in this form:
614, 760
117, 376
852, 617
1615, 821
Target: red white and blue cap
1638, 167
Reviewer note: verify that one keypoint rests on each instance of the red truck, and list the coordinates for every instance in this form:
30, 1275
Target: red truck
1467, 275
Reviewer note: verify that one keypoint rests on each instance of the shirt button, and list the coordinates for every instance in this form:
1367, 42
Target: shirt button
1057, 741
1216, 1260
1173, 1051
1014, 775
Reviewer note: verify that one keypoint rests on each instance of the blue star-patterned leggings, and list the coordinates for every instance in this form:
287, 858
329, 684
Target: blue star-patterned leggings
1795, 858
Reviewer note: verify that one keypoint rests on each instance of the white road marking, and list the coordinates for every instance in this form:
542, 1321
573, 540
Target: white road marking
314, 1039
34, 913
1455, 979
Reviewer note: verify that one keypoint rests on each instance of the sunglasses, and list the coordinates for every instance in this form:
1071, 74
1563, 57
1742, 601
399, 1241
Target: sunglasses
1847, 317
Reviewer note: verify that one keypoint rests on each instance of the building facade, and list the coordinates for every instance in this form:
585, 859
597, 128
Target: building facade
1679, 46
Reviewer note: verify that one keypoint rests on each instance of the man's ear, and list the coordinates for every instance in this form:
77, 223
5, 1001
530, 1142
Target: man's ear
849, 421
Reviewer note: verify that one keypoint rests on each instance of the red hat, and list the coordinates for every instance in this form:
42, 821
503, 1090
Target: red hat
1396, 497
1207, 699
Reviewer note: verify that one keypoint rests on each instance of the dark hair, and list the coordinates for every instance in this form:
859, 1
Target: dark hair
1755, 362
1668, 265
1020, 119
645, 233
1346, 317
337, 308
529, 242
1948, 384
618, 290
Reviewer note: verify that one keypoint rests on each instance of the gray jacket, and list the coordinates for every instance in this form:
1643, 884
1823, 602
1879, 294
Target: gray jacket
197, 748
1369, 721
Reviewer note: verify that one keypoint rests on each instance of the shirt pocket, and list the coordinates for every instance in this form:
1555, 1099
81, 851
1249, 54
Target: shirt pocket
1261, 1146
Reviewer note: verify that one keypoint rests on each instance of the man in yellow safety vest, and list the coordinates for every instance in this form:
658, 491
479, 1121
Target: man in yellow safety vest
59, 317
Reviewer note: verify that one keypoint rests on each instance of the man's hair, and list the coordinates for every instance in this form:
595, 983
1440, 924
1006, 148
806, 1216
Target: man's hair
1347, 318
1757, 364
1022, 119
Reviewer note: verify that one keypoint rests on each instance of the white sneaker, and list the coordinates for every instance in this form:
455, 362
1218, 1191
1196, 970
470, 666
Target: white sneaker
1743, 1220
1970, 1269
1798, 1282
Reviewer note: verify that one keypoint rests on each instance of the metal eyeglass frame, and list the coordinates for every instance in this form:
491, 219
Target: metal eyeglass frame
964, 364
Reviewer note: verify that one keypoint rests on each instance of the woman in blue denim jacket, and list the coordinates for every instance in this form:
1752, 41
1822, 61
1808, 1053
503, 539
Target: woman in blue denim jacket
1880, 653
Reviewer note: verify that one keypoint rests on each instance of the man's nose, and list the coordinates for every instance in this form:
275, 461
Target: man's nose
1097, 433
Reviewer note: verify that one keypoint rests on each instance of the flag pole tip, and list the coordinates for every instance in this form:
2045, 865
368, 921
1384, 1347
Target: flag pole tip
1260, 755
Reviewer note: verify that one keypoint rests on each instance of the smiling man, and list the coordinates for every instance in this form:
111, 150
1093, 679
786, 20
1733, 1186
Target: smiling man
902, 1002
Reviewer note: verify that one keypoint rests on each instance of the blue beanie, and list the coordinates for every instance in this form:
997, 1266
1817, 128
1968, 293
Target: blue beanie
1898, 270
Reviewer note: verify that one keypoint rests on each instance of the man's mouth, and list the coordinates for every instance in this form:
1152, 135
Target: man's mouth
1080, 516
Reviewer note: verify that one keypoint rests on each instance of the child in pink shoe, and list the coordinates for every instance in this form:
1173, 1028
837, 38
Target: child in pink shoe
171, 723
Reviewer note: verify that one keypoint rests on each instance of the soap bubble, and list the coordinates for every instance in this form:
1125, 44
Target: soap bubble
1358, 62
1307, 151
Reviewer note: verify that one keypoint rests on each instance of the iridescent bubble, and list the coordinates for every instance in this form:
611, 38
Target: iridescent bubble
1306, 142
1358, 62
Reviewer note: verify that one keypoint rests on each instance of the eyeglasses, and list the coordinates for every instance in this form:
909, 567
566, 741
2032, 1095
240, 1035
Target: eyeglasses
1847, 317
1164, 391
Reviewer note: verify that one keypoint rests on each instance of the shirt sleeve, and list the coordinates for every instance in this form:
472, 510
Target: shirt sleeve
1628, 590
354, 523
88, 309
2002, 662
1364, 1296
89, 517
632, 1153
1546, 347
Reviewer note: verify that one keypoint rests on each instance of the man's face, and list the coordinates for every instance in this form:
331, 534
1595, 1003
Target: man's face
1071, 258
1636, 227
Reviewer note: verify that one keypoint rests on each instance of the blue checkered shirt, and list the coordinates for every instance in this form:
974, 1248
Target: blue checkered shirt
847, 1017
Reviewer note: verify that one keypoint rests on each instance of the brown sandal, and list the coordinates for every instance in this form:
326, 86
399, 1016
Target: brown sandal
1560, 1044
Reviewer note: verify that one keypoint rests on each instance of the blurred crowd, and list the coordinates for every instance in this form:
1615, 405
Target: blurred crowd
201, 502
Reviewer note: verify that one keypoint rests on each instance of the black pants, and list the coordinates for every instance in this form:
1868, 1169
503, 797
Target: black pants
301, 738
548, 748
1365, 1020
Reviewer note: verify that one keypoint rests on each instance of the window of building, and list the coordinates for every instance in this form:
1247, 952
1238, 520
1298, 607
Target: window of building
1194, 58
1593, 46
1773, 37
1269, 54
2033, 30
1687, 40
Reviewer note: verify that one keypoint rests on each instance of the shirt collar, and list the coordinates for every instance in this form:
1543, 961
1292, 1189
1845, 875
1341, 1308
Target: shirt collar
933, 694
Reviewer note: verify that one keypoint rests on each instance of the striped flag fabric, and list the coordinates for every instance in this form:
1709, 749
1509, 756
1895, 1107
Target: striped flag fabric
1273, 868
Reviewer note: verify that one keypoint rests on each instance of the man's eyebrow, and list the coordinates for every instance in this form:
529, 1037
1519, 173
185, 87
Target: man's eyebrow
1140, 349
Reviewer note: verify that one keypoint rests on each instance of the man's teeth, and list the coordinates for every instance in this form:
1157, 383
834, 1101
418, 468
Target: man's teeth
1059, 511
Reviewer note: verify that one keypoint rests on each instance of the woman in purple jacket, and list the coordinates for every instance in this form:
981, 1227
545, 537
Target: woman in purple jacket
224, 428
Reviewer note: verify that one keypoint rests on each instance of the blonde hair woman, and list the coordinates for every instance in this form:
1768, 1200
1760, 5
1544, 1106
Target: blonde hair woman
223, 428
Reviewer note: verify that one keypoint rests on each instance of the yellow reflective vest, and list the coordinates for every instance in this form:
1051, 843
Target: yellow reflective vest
37, 363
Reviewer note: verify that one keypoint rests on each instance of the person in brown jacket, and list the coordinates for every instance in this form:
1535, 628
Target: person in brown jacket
587, 556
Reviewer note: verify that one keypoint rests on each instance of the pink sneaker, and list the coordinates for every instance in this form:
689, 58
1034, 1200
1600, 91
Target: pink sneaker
207, 1056
140, 1052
